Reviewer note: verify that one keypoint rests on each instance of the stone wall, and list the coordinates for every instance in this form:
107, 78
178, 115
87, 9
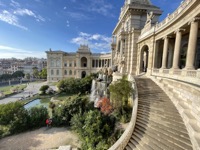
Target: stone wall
123, 140
186, 98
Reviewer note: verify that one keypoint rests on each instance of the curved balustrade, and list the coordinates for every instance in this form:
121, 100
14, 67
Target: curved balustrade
191, 76
123, 140
171, 17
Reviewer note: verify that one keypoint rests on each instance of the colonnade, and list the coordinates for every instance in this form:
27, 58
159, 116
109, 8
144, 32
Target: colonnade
191, 48
98, 63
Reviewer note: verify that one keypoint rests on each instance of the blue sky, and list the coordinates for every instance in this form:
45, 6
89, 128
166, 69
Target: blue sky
30, 27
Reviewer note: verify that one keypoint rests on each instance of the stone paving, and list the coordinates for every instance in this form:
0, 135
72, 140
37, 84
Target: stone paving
30, 90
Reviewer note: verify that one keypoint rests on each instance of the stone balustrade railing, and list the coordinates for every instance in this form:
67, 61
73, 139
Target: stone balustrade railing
171, 17
123, 140
191, 76
184, 4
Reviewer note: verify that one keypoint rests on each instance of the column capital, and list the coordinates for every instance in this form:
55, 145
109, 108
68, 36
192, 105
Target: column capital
166, 37
179, 30
195, 19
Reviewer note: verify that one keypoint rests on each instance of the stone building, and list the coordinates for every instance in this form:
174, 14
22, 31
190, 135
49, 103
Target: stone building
164, 58
62, 65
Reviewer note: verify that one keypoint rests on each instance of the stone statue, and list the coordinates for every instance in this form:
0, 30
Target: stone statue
150, 16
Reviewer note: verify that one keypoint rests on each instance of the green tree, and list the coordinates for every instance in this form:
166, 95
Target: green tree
37, 116
27, 76
120, 91
35, 72
14, 116
18, 74
43, 89
94, 129
5, 77
43, 74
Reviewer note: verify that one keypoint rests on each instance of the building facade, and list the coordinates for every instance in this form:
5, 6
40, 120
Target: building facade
167, 52
61, 65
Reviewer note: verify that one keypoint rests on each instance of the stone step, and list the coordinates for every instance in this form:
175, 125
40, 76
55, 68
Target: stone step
168, 138
128, 148
174, 119
168, 128
150, 135
157, 118
145, 139
158, 126
160, 109
161, 143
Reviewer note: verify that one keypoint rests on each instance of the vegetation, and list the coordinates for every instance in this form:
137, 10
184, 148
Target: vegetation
95, 126
75, 86
14, 118
15, 75
43, 89
43, 73
11, 89
120, 91
94, 129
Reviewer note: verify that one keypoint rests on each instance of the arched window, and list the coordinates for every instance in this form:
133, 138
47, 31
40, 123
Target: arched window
83, 62
65, 72
70, 72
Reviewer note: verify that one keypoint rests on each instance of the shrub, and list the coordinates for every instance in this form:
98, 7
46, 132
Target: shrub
94, 129
37, 116
64, 112
43, 89
14, 118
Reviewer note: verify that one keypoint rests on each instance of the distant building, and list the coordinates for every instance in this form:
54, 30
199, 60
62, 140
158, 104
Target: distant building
9, 66
62, 65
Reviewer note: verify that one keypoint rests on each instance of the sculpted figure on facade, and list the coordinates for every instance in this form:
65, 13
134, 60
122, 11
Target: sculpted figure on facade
150, 16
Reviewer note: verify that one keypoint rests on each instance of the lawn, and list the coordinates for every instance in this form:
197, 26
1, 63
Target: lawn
10, 89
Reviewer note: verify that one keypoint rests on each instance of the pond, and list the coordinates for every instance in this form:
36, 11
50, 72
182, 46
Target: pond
35, 103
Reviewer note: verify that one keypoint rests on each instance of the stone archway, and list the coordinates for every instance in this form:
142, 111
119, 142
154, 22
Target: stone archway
144, 55
83, 62
83, 74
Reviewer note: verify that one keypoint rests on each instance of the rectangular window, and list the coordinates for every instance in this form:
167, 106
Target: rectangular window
65, 64
52, 72
75, 72
57, 72
74, 63
70, 64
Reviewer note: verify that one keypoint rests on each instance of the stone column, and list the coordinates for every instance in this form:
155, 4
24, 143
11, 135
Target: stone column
177, 48
165, 49
155, 56
192, 44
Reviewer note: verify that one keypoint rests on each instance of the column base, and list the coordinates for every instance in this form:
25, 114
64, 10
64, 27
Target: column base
189, 68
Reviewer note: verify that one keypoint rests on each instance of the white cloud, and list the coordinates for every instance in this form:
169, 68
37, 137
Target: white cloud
101, 7
65, 8
8, 52
77, 16
14, 3
67, 22
97, 42
11, 19
24, 12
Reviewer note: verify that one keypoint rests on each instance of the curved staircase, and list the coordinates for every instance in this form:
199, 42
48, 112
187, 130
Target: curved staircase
158, 125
